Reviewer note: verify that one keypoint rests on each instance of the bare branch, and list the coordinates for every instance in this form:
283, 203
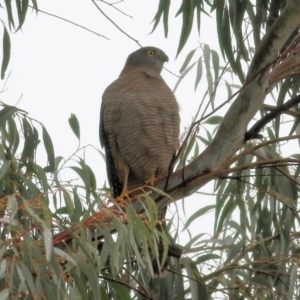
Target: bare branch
68, 21
114, 7
119, 28
253, 133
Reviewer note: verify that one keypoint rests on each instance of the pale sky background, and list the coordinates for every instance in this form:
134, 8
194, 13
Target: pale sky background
58, 69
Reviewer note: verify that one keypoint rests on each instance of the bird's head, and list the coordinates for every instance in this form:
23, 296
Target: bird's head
149, 57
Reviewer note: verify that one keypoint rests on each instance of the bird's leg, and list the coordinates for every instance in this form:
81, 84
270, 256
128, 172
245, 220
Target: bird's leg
152, 179
124, 195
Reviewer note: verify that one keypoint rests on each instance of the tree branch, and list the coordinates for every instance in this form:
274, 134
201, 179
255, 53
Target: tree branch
119, 28
253, 132
68, 21
230, 136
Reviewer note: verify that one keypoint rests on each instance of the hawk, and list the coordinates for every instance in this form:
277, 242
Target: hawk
139, 123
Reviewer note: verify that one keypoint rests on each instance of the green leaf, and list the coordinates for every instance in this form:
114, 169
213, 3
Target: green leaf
219, 6
4, 168
35, 5
122, 291
30, 140
293, 282
187, 11
261, 281
214, 120
29, 280
237, 12
199, 73
74, 124
234, 251
216, 64
183, 75
193, 240
90, 272
187, 60
40, 173
13, 135
49, 149
22, 7
9, 13
198, 214
69, 202
47, 234
87, 176
206, 257
6, 52
196, 283
163, 9
226, 37
13, 205
78, 209
229, 90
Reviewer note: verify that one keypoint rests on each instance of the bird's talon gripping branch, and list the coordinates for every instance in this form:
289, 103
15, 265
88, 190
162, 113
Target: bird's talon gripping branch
123, 198
151, 181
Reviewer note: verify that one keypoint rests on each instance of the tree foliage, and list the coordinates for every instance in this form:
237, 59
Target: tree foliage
84, 245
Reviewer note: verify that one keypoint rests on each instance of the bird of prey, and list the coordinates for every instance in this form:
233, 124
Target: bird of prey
139, 123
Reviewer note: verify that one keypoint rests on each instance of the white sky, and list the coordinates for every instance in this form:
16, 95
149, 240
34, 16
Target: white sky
58, 69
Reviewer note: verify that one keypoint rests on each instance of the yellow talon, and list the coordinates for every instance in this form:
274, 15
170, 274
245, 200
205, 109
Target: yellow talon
151, 181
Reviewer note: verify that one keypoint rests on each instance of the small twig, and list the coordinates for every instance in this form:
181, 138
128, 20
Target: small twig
68, 21
136, 280
234, 264
113, 6
256, 147
178, 76
127, 285
110, 20
279, 170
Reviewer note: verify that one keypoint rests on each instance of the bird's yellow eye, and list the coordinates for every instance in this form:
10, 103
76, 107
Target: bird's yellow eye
150, 53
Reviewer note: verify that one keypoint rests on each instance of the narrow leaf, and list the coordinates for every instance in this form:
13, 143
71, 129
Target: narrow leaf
214, 120
22, 7
187, 11
6, 52
35, 5
187, 60
49, 149
163, 10
216, 64
198, 214
74, 124
199, 73
235, 250
9, 13
5, 166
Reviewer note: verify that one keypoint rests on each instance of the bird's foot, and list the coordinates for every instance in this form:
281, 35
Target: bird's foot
123, 199
151, 181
